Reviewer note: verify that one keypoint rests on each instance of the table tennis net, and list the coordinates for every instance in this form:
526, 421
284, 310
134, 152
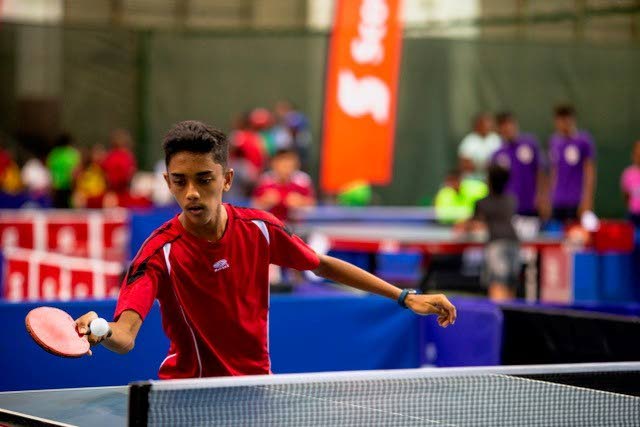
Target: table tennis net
585, 395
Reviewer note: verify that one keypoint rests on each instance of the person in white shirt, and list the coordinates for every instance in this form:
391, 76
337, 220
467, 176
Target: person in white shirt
476, 148
36, 177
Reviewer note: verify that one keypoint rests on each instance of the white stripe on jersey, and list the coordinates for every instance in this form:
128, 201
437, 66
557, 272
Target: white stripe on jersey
167, 249
263, 227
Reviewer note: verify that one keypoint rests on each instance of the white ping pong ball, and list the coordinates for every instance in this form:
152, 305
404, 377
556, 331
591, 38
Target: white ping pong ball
99, 327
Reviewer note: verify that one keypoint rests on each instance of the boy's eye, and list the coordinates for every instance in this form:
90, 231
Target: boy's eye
206, 180
178, 182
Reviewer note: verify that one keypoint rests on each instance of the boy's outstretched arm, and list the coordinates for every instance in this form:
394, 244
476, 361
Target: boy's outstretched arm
345, 273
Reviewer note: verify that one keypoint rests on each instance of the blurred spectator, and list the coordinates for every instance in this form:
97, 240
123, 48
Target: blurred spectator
245, 177
630, 183
520, 155
5, 158
141, 192
62, 161
456, 200
119, 164
284, 187
262, 122
476, 148
451, 206
36, 178
161, 195
10, 182
356, 193
502, 253
571, 154
247, 142
293, 131
125, 200
90, 183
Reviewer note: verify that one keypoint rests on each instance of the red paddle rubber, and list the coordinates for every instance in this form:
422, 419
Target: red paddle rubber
55, 331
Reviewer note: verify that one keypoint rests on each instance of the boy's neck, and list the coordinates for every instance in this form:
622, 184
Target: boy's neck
211, 231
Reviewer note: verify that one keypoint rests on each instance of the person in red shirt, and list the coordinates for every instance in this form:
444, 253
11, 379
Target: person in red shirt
5, 158
208, 268
284, 187
248, 143
119, 164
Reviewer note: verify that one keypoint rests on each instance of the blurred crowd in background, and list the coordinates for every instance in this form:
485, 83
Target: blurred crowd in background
269, 152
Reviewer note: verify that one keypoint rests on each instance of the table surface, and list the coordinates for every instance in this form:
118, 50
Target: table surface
480, 400
95, 407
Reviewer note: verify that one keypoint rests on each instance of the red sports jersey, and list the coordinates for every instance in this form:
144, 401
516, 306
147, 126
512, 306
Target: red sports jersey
119, 167
299, 183
214, 296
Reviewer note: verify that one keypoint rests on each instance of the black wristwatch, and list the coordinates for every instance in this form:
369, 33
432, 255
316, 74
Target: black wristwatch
403, 296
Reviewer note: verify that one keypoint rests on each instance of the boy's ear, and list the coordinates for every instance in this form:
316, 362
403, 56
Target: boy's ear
228, 179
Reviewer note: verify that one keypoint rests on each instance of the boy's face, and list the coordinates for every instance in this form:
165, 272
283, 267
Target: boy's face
564, 124
284, 165
508, 129
484, 125
453, 181
197, 183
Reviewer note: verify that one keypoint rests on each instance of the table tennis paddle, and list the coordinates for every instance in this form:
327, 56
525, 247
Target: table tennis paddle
55, 331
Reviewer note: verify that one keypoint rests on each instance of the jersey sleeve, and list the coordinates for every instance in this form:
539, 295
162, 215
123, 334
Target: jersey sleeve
140, 285
289, 250
304, 185
542, 162
589, 149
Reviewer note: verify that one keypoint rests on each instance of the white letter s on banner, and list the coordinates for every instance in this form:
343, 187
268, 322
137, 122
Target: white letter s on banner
369, 95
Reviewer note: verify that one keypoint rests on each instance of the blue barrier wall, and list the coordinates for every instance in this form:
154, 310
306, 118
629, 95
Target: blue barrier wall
307, 334
474, 340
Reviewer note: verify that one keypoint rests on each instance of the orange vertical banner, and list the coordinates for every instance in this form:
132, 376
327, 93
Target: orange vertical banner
361, 93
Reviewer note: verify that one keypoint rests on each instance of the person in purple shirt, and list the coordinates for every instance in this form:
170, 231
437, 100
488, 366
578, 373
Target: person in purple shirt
573, 170
520, 155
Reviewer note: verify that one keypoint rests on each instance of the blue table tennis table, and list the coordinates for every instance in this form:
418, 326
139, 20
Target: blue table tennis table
96, 407
582, 394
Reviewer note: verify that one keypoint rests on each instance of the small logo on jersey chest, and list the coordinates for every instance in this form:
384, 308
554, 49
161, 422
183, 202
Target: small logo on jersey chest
220, 265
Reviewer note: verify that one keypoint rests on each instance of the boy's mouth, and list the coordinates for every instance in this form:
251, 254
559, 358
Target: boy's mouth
196, 210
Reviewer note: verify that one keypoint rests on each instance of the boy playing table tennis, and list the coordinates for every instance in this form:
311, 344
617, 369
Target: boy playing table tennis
208, 268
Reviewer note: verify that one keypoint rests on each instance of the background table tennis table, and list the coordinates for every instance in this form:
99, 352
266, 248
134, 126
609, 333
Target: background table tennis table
388, 214
428, 239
